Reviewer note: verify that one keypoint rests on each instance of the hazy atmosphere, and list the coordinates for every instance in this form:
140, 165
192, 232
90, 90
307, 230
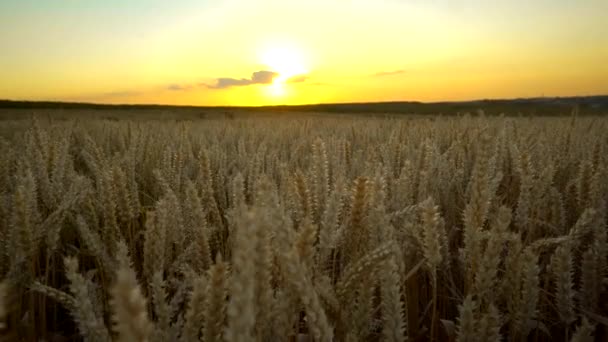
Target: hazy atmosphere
239, 52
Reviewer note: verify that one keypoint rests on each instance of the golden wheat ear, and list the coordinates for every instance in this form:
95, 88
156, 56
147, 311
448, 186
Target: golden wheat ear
129, 314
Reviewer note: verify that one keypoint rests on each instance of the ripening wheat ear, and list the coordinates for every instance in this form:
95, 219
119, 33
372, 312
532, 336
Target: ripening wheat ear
23, 235
332, 217
521, 168
90, 326
581, 229
215, 305
54, 223
107, 194
481, 193
154, 248
305, 245
237, 203
298, 279
205, 175
320, 178
196, 230
529, 292
161, 308
356, 239
489, 325
126, 207
237, 192
241, 307
391, 305
433, 236
302, 198
562, 272
467, 324
584, 332
585, 173
195, 312
434, 239
355, 272
169, 216
591, 286
3, 305
129, 315
92, 240
486, 276
263, 273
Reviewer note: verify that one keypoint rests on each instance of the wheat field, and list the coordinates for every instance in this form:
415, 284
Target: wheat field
344, 228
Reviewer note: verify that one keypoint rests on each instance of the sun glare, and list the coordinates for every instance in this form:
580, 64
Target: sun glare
277, 88
287, 61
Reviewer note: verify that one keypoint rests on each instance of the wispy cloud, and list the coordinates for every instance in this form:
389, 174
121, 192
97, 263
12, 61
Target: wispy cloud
258, 77
227, 82
389, 73
298, 79
179, 87
127, 93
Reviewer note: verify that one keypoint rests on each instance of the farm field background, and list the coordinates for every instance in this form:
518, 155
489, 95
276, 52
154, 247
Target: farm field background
281, 226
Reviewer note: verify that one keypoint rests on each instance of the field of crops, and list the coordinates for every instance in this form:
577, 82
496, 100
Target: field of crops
343, 228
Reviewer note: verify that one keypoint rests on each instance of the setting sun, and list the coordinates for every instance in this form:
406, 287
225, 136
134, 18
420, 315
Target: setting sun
285, 60
277, 88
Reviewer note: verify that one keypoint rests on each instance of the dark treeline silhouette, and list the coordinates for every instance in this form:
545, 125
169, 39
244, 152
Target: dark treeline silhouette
524, 106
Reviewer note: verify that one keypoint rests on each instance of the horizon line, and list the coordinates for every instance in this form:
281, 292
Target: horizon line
101, 104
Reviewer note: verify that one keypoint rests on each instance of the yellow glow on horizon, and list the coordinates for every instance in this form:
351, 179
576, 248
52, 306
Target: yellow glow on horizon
366, 50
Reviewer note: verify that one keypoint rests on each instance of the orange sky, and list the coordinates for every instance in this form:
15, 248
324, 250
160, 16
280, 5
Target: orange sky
241, 52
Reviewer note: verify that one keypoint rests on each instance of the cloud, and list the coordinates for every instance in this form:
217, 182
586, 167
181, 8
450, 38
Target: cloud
263, 77
298, 79
121, 93
179, 87
389, 73
258, 77
225, 82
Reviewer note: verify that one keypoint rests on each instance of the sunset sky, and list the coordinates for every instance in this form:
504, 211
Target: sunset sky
241, 52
